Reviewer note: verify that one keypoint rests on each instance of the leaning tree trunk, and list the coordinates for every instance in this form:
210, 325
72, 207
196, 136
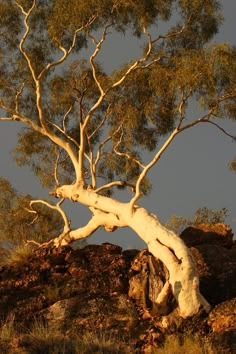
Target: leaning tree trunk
161, 242
172, 251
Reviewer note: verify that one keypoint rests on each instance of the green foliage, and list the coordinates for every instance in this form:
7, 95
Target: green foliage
178, 223
39, 157
201, 216
72, 14
17, 224
136, 113
209, 216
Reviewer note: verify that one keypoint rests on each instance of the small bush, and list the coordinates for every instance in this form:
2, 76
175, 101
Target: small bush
18, 255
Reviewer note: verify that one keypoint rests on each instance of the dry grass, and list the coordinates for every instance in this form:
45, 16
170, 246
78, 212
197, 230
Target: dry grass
18, 255
188, 345
7, 330
103, 342
44, 339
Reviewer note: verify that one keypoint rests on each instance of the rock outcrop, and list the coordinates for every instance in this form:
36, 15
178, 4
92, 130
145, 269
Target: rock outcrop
102, 289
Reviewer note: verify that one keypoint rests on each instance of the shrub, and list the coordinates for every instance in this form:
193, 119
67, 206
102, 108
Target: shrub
18, 255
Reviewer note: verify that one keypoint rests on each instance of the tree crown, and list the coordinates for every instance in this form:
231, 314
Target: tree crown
96, 126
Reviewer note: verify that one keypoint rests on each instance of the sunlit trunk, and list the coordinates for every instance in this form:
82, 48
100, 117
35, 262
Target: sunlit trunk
171, 250
161, 242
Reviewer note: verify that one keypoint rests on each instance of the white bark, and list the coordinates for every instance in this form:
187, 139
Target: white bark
161, 242
171, 250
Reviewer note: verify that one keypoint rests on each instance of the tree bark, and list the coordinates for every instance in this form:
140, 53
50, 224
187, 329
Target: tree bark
172, 251
161, 242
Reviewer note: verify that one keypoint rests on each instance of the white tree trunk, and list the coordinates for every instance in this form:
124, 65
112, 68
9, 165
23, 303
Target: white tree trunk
161, 242
172, 251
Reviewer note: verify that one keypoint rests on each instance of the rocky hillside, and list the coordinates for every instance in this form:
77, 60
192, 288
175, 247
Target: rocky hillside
105, 293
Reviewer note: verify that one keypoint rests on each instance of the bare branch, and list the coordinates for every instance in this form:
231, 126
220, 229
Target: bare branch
56, 207
93, 163
206, 120
115, 183
65, 116
29, 63
206, 117
110, 222
18, 93
143, 174
27, 15
95, 53
136, 65
125, 154
94, 70
184, 99
99, 126
64, 133
104, 142
173, 34
56, 166
20, 117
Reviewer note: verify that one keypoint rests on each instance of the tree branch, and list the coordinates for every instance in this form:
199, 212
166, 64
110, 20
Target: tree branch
27, 15
176, 131
56, 207
65, 134
143, 174
18, 93
125, 154
54, 138
110, 222
115, 183
56, 166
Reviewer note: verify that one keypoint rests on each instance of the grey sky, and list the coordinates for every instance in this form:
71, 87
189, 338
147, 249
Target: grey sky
192, 173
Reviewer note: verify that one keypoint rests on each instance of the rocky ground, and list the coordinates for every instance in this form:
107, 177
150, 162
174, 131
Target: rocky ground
100, 289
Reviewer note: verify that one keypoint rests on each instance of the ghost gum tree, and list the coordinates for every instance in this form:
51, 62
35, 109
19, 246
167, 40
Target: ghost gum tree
85, 133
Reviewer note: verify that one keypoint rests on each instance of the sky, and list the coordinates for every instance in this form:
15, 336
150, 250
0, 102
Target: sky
191, 174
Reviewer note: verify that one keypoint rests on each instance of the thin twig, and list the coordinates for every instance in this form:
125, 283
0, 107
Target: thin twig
115, 183
125, 154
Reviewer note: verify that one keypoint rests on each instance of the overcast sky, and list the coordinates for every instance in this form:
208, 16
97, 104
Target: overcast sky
192, 173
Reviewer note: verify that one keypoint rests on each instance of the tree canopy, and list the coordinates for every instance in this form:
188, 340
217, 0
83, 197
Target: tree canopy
124, 113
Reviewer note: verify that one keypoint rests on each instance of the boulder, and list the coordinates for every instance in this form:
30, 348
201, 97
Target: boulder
211, 234
215, 254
